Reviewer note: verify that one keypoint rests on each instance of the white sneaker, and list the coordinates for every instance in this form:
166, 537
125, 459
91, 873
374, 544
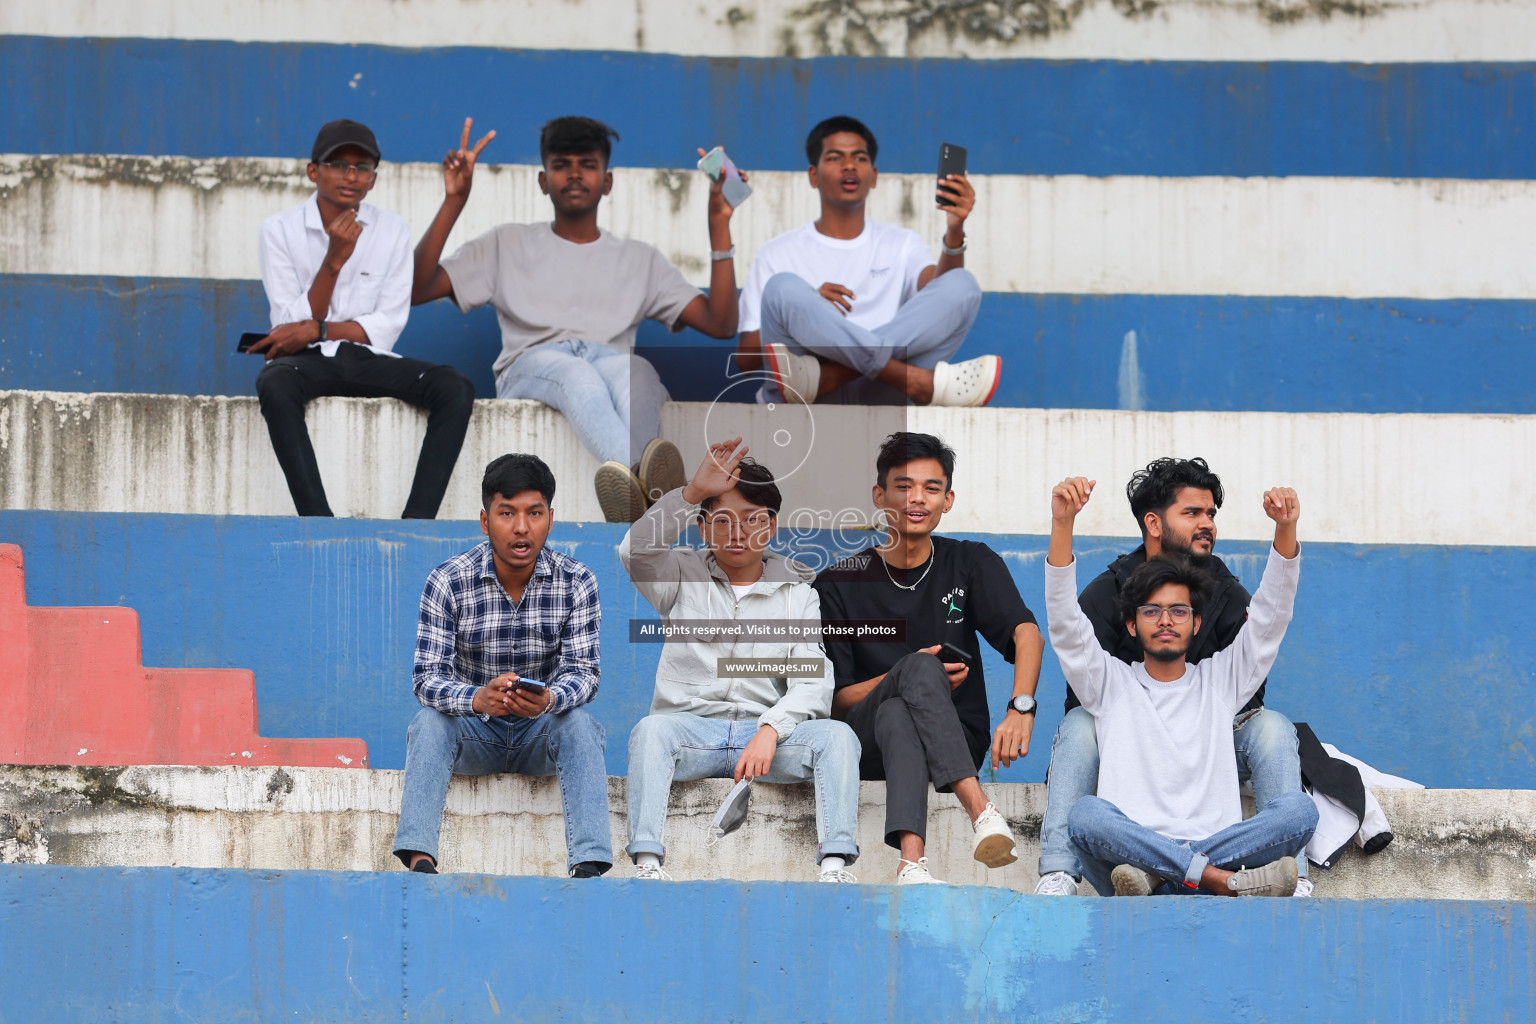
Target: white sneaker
1056, 883
970, 383
1303, 887
798, 376
915, 872
652, 873
994, 845
835, 875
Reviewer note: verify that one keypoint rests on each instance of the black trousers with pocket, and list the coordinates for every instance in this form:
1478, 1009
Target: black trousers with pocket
288, 383
911, 736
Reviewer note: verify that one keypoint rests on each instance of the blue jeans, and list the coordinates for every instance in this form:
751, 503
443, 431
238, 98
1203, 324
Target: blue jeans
687, 747
1103, 837
612, 399
927, 329
568, 745
1264, 740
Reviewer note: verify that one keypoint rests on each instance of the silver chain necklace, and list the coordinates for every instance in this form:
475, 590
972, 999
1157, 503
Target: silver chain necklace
905, 586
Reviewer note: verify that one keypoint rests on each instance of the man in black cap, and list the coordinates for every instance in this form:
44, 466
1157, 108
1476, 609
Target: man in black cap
337, 272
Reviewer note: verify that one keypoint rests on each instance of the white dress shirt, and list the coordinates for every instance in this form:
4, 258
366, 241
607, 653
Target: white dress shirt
373, 289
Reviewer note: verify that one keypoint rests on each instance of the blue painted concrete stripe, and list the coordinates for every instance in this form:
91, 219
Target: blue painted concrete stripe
1178, 118
161, 945
1193, 352
324, 612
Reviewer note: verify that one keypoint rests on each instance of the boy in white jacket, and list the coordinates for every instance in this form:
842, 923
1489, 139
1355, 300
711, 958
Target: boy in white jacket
704, 725
1167, 817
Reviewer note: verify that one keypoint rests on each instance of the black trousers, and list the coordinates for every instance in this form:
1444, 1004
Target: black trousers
287, 384
911, 736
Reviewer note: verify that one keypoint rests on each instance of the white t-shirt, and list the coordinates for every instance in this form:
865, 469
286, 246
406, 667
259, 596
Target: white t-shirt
545, 288
880, 267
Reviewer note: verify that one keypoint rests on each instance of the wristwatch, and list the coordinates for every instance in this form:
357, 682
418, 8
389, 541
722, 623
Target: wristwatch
322, 330
1024, 704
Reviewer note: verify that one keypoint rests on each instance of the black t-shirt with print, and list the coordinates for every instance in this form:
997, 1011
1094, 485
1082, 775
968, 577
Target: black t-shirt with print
967, 591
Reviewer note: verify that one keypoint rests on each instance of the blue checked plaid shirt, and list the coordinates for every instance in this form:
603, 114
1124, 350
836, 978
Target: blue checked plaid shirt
470, 632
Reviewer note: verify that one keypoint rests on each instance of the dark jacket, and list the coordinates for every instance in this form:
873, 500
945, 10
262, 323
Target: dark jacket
1224, 615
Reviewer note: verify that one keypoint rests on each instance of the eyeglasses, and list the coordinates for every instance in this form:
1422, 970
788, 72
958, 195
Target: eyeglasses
1154, 612
364, 170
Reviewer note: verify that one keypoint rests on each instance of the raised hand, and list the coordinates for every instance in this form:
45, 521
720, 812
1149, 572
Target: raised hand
1069, 497
1280, 504
719, 210
459, 164
957, 189
342, 235
718, 472
839, 296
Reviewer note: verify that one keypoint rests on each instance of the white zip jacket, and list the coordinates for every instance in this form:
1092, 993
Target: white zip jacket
687, 583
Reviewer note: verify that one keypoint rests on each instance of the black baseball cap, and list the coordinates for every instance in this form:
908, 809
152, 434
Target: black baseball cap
341, 133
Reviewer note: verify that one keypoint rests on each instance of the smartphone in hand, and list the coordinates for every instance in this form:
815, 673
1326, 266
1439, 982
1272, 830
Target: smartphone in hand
531, 685
715, 163
248, 339
951, 653
951, 161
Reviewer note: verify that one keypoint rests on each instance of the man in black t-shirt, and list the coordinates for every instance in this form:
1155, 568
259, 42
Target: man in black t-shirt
919, 711
1174, 502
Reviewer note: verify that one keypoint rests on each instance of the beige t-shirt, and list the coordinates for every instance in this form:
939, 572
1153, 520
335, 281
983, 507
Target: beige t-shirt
545, 288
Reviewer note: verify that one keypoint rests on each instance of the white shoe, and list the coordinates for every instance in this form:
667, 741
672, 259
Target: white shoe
970, 383
915, 872
994, 845
1056, 883
835, 875
1303, 887
798, 376
652, 873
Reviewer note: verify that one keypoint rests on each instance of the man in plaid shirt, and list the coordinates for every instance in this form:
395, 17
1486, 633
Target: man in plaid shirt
506, 657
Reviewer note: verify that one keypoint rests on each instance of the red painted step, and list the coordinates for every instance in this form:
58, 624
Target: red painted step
73, 690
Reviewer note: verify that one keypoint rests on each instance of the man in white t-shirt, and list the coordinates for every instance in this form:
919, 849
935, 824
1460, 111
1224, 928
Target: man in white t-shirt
569, 296
848, 310
1168, 817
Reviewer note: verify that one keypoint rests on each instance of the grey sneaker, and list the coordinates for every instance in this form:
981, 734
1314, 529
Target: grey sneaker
661, 469
1277, 878
1130, 880
619, 493
1056, 883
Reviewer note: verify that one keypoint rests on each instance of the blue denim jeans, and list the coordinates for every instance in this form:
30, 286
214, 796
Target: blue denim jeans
687, 747
1103, 837
928, 328
568, 745
1267, 757
612, 399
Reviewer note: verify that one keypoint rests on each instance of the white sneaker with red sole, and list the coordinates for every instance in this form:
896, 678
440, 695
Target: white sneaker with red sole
798, 376
971, 383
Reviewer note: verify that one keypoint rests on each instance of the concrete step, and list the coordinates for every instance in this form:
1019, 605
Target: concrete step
1360, 475
1450, 844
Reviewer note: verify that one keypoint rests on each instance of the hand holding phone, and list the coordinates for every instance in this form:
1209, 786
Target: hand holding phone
715, 163
248, 339
951, 161
951, 653
533, 686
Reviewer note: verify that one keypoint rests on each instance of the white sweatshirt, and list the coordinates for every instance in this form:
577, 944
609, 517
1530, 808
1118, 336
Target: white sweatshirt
1165, 749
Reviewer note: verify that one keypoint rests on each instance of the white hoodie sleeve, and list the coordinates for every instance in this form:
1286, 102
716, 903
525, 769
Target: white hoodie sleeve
1084, 663
808, 697
655, 565
1242, 667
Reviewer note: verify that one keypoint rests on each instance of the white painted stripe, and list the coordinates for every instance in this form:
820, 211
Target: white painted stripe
1362, 479
1239, 30
1347, 237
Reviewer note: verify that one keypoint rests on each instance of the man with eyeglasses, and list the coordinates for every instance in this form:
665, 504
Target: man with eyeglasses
337, 273
707, 721
1168, 817
1174, 503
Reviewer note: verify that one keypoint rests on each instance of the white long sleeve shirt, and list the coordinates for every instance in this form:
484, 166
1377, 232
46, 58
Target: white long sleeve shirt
1165, 749
373, 289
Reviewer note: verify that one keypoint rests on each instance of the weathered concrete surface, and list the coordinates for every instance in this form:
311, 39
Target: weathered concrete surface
1319, 236
1361, 475
1451, 844
1352, 30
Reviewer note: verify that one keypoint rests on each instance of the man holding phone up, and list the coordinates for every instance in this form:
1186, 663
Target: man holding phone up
849, 310
506, 660
920, 713
337, 272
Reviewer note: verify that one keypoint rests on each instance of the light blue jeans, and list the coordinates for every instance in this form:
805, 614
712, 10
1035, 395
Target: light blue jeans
1267, 757
687, 747
568, 745
1103, 837
927, 329
612, 399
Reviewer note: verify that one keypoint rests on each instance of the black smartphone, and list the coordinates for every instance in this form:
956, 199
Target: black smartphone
531, 685
250, 338
949, 652
951, 161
